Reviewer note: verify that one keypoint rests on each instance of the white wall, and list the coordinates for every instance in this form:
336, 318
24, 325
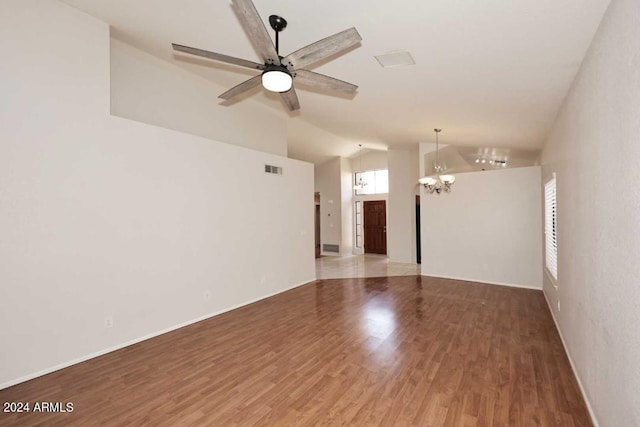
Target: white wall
371, 160
313, 144
486, 230
102, 216
346, 196
594, 150
403, 179
150, 90
328, 183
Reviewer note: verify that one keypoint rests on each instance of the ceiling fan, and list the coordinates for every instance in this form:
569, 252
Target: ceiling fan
279, 72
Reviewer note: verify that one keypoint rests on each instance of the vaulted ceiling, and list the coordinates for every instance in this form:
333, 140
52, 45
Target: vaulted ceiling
490, 73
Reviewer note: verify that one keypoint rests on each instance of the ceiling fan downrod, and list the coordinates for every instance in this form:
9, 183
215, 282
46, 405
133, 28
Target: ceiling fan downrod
278, 23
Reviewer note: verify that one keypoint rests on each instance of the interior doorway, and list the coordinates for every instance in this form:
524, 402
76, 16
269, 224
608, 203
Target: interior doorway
375, 227
418, 241
317, 226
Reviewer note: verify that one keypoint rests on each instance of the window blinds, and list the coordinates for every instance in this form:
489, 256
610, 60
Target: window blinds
550, 227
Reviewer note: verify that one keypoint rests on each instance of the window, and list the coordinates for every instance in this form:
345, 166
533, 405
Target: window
375, 182
358, 224
550, 227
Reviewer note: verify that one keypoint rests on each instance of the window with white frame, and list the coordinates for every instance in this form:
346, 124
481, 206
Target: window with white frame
358, 224
374, 182
550, 227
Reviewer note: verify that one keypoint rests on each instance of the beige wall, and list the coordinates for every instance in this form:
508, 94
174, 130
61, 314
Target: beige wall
486, 230
150, 90
371, 160
107, 217
346, 184
594, 149
327, 182
403, 180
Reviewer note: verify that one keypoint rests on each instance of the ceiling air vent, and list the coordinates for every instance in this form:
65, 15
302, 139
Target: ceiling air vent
276, 170
395, 59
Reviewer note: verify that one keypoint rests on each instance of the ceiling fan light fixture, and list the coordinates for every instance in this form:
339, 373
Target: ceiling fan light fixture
277, 79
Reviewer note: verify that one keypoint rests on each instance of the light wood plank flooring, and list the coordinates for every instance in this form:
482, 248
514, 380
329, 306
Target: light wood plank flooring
376, 351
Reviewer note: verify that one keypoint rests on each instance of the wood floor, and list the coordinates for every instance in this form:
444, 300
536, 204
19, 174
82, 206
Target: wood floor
377, 351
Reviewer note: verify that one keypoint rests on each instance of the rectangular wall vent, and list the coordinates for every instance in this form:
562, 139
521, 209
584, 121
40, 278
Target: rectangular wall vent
276, 170
331, 248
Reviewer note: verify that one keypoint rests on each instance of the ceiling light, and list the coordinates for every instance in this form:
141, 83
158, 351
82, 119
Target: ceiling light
483, 158
439, 181
277, 79
359, 186
427, 180
448, 179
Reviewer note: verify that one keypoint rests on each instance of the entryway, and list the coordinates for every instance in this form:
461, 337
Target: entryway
375, 227
317, 224
368, 265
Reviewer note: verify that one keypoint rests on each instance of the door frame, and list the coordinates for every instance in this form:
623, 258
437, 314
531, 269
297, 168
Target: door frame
316, 229
364, 225
365, 198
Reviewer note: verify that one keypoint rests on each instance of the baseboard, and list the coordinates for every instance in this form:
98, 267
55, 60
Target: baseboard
142, 338
466, 279
594, 420
396, 261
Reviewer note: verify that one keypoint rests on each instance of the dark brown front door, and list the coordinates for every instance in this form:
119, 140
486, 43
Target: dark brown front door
375, 227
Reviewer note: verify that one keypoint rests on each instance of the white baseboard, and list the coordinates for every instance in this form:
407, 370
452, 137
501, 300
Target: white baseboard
142, 338
330, 254
466, 279
594, 420
398, 261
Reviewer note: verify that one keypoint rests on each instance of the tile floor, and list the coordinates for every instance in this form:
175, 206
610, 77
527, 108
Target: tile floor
369, 265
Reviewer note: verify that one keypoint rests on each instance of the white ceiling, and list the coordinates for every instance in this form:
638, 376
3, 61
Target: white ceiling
490, 73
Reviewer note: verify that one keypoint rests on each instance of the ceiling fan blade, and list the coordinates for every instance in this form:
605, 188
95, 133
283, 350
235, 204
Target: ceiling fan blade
218, 57
258, 34
290, 99
242, 87
322, 49
323, 82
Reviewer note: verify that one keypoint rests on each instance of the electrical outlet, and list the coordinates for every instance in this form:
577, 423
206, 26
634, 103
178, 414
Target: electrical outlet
108, 322
207, 295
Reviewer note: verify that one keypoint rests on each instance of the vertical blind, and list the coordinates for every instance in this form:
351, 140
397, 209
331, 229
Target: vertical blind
550, 225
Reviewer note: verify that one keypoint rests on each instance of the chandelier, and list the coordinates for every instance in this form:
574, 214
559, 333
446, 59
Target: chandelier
439, 181
360, 184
